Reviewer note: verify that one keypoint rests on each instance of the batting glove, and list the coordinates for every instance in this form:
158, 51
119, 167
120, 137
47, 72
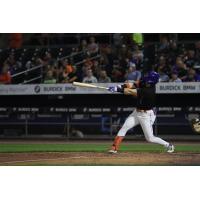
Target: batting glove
118, 88
112, 89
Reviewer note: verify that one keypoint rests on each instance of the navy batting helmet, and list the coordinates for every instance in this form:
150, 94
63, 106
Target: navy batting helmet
150, 78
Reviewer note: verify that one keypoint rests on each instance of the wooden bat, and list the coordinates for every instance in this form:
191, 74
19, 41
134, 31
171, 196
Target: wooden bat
88, 85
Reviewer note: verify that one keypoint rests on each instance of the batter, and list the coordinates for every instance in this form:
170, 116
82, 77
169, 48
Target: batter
143, 114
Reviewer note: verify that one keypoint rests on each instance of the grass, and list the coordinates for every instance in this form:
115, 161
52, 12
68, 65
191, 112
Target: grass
17, 148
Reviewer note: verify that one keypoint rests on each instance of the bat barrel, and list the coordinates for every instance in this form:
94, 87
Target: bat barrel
88, 85
84, 84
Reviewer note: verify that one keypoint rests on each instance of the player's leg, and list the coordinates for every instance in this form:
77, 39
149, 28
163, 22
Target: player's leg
130, 122
146, 120
170, 147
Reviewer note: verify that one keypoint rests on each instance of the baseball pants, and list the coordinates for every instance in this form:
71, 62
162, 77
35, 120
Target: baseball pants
146, 120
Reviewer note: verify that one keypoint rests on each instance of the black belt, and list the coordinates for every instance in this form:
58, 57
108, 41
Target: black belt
142, 110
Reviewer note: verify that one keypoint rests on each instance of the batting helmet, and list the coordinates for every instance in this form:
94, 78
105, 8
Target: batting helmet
150, 78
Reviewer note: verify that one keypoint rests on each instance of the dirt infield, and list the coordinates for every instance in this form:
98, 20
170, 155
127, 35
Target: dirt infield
91, 158
80, 153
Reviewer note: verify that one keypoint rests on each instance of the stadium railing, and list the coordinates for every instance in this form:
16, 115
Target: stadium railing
35, 73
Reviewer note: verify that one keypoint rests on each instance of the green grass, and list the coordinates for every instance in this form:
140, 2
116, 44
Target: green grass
14, 148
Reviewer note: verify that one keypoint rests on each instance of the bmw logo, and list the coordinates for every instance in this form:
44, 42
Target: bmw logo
37, 89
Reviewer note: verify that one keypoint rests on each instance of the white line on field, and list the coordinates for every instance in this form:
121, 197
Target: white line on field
45, 159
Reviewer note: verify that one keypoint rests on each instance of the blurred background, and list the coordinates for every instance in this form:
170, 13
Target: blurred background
52, 58
114, 57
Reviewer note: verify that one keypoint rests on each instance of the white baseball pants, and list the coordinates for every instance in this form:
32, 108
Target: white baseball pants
146, 120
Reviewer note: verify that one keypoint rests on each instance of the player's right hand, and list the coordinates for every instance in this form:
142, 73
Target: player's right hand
112, 89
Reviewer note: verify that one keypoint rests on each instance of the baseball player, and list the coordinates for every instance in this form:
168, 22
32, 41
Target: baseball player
143, 114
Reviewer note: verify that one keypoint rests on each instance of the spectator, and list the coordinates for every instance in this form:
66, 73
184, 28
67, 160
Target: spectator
123, 52
138, 38
96, 68
162, 62
133, 74
68, 68
118, 71
190, 58
173, 52
162, 65
174, 78
63, 74
49, 79
11, 60
192, 76
137, 56
68, 76
117, 39
163, 76
73, 76
5, 77
48, 59
84, 46
117, 75
87, 65
104, 77
102, 62
180, 68
108, 52
164, 45
38, 61
93, 47
89, 78
13, 65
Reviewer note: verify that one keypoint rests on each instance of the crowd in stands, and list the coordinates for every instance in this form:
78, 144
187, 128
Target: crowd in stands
124, 59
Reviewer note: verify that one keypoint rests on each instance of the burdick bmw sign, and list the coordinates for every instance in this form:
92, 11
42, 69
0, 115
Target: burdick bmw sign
178, 88
51, 89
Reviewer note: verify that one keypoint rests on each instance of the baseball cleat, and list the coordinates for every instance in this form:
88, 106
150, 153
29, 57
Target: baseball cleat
111, 151
170, 148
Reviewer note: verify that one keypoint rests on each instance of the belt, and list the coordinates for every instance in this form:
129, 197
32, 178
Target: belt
142, 110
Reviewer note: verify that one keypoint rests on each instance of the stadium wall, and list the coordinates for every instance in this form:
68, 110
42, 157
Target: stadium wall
32, 113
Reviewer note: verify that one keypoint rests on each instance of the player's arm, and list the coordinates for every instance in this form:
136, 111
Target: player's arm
128, 91
118, 88
125, 89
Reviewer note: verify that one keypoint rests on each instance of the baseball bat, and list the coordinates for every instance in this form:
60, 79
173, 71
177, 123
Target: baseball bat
88, 85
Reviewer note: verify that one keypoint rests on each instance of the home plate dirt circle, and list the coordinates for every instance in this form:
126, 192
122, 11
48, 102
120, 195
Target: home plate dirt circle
91, 158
